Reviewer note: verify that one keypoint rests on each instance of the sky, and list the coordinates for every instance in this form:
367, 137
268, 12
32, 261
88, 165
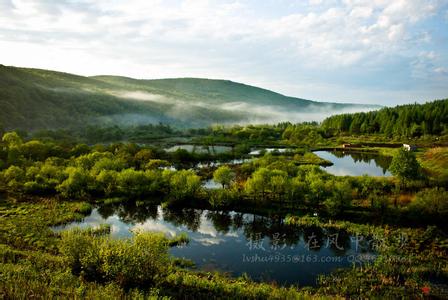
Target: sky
365, 51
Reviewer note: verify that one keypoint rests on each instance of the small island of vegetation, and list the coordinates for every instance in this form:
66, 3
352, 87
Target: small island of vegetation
55, 177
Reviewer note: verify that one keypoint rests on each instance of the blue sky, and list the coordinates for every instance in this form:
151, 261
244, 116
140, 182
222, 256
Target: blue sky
377, 51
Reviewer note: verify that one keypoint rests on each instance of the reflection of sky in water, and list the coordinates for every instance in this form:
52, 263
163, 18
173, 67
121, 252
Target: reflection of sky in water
346, 165
221, 243
220, 163
269, 150
200, 149
211, 184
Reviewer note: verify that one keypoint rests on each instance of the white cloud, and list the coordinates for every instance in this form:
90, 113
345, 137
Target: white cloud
441, 70
155, 226
315, 2
361, 12
209, 241
218, 39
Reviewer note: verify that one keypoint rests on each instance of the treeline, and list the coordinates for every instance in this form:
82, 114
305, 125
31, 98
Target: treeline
123, 170
278, 181
129, 171
305, 134
412, 120
108, 134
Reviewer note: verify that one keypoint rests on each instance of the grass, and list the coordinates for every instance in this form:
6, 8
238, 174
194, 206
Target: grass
26, 225
33, 266
181, 239
409, 261
33, 262
435, 162
311, 158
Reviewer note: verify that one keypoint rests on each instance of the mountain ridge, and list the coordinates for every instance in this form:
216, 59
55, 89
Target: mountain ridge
232, 82
33, 98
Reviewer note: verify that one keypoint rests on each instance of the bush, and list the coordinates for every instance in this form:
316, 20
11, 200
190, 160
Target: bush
140, 261
223, 197
430, 203
341, 198
184, 184
224, 175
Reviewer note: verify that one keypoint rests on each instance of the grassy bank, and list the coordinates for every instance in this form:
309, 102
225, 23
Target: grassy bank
411, 263
35, 265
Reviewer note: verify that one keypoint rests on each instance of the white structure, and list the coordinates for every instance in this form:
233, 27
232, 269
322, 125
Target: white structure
408, 147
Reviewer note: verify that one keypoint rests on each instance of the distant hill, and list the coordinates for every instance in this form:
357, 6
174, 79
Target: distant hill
36, 99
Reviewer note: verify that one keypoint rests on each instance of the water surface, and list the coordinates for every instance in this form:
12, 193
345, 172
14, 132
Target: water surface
263, 247
356, 163
200, 148
256, 152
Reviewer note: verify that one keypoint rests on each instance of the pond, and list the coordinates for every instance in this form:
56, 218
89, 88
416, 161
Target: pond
256, 152
211, 184
263, 247
214, 164
356, 163
212, 149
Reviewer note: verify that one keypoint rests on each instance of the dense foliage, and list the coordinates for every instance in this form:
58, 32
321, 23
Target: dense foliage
129, 171
405, 166
46, 178
142, 261
411, 120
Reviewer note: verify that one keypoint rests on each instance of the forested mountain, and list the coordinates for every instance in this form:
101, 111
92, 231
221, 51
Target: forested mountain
410, 120
35, 99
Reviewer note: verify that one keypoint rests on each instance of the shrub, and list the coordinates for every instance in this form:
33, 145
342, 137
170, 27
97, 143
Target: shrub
223, 197
140, 261
430, 203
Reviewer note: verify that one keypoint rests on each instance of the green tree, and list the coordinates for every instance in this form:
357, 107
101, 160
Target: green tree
224, 175
76, 184
340, 199
405, 166
106, 182
133, 183
13, 142
258, 183
14, 177
184, 184
279, 184
34, 150
12, 139
142, 157
222, 197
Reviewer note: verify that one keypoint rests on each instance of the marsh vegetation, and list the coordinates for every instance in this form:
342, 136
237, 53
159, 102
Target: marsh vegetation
121, 219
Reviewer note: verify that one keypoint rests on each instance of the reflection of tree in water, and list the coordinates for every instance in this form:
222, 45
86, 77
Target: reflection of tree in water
138, 213
338, 241
107, 211
189, 217
131, 212
284, 235
314, 238
237, 221
381, 161
256, 225
221, 220
271, 227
